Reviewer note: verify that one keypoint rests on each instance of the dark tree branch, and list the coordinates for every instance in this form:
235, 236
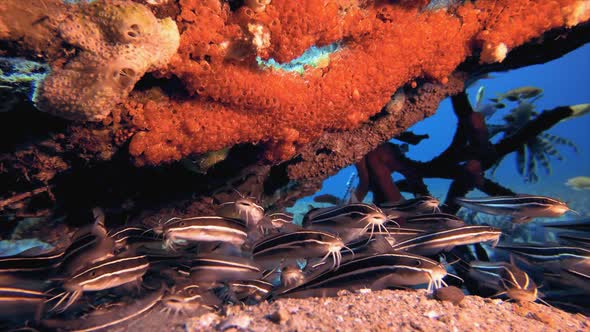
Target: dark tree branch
462, 164
552, 45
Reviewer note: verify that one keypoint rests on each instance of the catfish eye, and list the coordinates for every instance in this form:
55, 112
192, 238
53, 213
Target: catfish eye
93, 274
418, 263
183, 224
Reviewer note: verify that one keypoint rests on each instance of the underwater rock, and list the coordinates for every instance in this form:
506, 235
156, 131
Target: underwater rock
117, 43
108, 46
451, 294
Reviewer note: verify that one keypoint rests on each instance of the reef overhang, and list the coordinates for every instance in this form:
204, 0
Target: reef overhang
212, 94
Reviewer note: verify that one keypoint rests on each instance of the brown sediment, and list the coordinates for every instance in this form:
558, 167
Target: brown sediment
380, 311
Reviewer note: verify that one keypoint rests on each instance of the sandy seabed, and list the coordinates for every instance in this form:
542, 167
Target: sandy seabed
387, 310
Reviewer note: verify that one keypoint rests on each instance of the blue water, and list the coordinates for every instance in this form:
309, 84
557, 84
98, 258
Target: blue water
565, 81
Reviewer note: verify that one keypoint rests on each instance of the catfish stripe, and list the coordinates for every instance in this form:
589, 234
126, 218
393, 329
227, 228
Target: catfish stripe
151, 302
374, 261
20, 291
367, 273
410, 204
131, 260
367, 267
128, 232
350, 209
20, 298
207, 262
578, 273
281, 216
294, 237
23, 263
289, 245
514, 281
433, 216
511, 200
264, 287
447, 236
208, 228
549, 252
118, 272
211, 219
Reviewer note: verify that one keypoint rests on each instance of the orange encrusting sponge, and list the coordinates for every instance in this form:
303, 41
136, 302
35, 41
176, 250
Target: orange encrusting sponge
384, 46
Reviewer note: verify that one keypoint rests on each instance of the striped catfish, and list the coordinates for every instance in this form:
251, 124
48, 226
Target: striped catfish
411, 207
21, 304
363, 246
506, 278
291, 276
572, 276
26, 265
577, 275
243, 208
128, 235
445, 240
576, 225
297, 245
204, 229
188, 298
218, 268
278, 223
539, 253
576, 240
247, 291
341, 219
374, 271
522, 208
102, 275
434, 221
114, 316
85, 250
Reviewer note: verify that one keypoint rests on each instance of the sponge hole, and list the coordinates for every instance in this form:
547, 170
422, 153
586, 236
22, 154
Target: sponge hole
126, 76
133, 31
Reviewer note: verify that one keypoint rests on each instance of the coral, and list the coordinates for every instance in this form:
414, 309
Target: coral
519, 21
116, 43
384, 46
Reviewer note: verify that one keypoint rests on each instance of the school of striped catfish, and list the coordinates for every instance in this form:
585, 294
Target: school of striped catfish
244, 255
